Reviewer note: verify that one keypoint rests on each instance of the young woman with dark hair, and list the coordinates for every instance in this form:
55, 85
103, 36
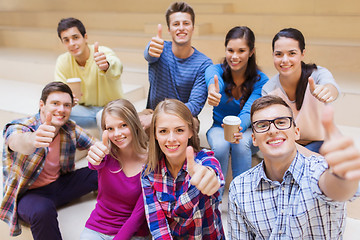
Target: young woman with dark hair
305, 87
232, 88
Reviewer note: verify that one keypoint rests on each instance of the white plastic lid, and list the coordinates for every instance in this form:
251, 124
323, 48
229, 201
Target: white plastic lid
231, 120
73, 80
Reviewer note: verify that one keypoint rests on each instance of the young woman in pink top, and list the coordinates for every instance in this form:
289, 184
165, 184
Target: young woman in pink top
305, 87
119, 212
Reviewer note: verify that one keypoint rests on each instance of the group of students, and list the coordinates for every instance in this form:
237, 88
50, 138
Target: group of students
153, 179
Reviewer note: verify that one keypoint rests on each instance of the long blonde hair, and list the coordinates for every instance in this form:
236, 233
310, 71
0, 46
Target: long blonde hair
179, 109
124, 109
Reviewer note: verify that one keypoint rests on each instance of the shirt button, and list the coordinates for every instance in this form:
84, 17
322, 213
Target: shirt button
282, 211
280, 232
283, 188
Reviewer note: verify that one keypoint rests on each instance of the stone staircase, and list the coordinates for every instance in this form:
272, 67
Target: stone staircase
29, 46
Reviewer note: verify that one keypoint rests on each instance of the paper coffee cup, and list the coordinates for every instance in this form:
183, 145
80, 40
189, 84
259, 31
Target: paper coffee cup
75, 85
231, 126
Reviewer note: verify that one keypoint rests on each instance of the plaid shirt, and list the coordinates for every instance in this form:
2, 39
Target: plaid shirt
20, 171
176, 209
296, 208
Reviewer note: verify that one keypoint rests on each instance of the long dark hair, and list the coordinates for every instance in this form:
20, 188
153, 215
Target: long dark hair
251, 75
306, 69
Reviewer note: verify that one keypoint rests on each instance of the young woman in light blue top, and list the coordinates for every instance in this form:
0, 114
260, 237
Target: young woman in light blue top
232, 88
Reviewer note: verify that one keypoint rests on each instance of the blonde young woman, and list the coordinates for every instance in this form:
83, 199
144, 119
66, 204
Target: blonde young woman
306, 88
181, 182
119, 159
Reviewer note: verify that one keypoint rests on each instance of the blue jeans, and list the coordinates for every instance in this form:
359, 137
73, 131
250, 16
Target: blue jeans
37, 207
241, 153
89, 234
86, 116
314, 146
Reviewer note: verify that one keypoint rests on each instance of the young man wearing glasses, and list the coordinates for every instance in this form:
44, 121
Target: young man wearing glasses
288, 195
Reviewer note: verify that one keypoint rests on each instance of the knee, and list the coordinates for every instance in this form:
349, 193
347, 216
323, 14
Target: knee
43, 212
46, 209
220, 147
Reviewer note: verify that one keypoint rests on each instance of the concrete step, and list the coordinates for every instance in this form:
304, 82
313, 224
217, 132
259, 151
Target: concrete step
315, 25
158, 6
315, 7
238, 6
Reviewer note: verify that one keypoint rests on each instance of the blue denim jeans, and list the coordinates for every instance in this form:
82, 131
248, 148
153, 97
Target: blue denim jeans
240, 153
89, 234
314, 146
86, 116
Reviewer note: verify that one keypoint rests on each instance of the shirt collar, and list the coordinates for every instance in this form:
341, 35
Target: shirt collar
294, 171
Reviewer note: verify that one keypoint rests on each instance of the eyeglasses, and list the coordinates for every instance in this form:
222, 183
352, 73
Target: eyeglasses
281, 123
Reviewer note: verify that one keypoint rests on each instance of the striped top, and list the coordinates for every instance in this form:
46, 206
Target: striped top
20, 171
176, 78
296, 208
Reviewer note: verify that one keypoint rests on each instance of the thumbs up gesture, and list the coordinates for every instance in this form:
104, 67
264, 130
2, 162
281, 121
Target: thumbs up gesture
157, 44
100, 58
203, 178
45, 133
320, 92
99, 150
213, 93
339, 151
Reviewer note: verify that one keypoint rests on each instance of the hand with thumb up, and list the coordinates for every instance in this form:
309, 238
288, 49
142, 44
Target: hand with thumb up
99, 150
45, 133
321, 92
214, 96
339, 151
203, 178
100, 58
157, 44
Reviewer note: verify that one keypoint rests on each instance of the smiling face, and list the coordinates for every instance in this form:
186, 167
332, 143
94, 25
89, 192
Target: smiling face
172, 134
237, 54
181, 28
275, 145
287, 57
59, 105
119, 131
75, 43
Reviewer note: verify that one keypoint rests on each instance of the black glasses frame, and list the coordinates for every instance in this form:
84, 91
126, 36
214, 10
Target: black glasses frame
272, 122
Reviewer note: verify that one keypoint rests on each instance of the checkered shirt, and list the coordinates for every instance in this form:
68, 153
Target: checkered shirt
20, 170
296, 208
176, 209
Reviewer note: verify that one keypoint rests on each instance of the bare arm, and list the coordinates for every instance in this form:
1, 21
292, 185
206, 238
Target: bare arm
341, 181
337, 188
27, 142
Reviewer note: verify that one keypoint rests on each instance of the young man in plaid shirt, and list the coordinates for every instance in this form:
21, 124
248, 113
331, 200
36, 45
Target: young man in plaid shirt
39, 162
